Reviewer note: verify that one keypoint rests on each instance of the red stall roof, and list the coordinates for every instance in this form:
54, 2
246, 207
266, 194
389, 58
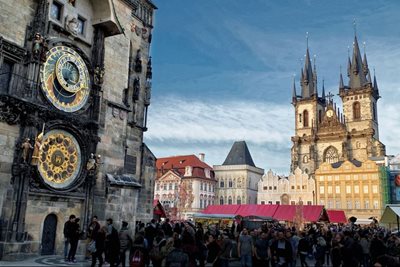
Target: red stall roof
336, 216
257, 210
310, 213
221, 209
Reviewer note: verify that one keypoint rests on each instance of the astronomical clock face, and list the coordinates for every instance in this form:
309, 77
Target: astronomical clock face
65, 79
59, 159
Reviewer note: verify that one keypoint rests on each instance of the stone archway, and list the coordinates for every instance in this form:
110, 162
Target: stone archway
49, 234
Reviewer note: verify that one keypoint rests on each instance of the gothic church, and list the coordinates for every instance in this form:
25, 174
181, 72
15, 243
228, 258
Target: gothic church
325, 134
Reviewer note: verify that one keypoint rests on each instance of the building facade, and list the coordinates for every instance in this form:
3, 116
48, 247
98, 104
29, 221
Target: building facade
294, 189
185, 185
75, 81
353, 186
325, 134
237, 177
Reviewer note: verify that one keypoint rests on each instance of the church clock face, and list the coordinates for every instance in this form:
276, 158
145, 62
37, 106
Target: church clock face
59, 159
65, 79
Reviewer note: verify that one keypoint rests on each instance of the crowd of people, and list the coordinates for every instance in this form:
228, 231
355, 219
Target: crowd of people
185, 244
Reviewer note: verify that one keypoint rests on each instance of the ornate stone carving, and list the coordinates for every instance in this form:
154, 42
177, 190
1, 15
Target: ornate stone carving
99, 75
138, 62
136, 89
9, 113
72, 25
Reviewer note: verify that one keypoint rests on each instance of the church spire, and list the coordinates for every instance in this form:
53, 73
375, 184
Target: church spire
357, 75
365, 62
294, 93
341, 84
323, 89
376, 89
307, 77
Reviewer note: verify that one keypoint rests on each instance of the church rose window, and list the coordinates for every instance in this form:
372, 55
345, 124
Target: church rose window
331, 155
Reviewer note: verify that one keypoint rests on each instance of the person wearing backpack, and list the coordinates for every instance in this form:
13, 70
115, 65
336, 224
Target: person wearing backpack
125, 242
138, 252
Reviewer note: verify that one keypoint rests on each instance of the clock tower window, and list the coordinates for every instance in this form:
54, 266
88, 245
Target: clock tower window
356, 111
305, 118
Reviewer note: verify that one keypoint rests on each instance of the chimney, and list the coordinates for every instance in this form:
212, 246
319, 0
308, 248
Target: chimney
201, 156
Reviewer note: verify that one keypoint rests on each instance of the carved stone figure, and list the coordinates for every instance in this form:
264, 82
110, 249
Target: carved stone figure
138, 62
99, 75
37, 45
91, 164
149, 72
72, 25
36, 149
136, 89
26, 147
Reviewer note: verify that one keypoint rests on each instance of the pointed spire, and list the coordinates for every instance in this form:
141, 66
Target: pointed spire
323, 89
357, 76
341, 84
369, 80
294, 93
365, 62
376, 89
348, 67
307, 76
315, 92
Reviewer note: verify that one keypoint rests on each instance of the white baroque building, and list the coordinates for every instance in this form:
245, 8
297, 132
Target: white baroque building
276, 189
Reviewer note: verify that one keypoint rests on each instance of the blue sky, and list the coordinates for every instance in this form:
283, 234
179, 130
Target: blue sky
223, 71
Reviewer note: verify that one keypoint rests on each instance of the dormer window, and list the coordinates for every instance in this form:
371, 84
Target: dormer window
188, 171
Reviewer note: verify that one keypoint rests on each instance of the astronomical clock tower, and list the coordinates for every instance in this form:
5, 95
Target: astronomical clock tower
75, 81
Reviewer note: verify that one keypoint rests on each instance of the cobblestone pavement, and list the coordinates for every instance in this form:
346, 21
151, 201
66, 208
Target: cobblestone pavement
59, 261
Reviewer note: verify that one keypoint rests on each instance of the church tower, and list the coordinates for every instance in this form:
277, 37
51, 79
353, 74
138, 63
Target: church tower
309, 110
322, 132
359, 99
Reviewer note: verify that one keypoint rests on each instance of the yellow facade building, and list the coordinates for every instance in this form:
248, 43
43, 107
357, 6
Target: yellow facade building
352, 186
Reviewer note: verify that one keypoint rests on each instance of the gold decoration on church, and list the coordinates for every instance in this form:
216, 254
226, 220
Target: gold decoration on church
59, 159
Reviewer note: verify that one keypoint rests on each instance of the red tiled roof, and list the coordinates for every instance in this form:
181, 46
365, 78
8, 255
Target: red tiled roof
181, 162
336, 216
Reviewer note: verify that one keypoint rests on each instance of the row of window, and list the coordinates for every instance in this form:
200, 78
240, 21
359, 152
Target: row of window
349, 204
56, 13
205, 203
203, 187
304, 117
278, 202
349, 189
303, 187
230, 200
144, 13
347, 177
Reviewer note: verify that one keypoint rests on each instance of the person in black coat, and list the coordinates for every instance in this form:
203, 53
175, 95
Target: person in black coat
303, 249
100, 239
112, 244
74, 239
281, 251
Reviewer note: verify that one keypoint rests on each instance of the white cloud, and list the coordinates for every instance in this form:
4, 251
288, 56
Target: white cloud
188, 120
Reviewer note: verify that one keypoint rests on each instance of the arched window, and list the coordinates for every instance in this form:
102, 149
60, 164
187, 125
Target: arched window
230, 183
221, 201
239, 200
305, 118
221, 183
331, 155
356, 111
305, 159
230, 200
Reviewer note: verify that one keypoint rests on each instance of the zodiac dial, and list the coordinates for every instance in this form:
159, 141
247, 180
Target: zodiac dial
59, 159
65, 79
